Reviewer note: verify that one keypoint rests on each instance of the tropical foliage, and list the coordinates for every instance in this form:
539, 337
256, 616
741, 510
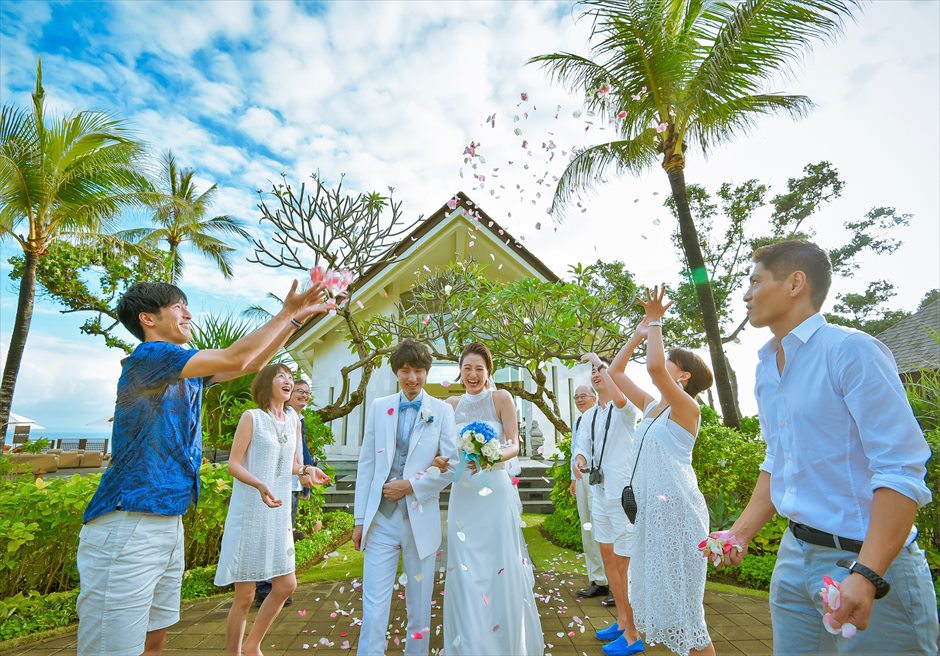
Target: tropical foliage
181, 214
61, 179
679, 75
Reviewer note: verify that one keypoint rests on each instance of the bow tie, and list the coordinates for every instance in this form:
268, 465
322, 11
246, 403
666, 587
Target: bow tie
416, 405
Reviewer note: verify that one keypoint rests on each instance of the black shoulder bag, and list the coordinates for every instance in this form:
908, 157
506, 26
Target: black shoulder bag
597, 476
627, 498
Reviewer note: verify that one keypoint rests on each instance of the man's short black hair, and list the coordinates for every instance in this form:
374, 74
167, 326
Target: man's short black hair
410, 353
146, 297
785, 257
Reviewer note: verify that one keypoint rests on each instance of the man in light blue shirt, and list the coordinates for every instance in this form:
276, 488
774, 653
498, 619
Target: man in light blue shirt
845, 465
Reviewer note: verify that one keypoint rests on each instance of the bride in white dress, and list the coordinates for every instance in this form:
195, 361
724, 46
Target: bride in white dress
489, 603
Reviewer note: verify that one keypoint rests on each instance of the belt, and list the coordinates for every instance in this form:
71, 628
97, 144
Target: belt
823, 539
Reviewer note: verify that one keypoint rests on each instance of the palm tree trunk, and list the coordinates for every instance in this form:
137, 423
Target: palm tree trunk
24, 315
696, 263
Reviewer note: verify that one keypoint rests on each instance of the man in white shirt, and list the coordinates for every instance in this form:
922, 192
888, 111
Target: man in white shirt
604, 445
585, 399
845, 465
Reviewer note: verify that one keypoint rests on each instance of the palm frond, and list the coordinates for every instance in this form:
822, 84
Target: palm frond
721, 122
590, 165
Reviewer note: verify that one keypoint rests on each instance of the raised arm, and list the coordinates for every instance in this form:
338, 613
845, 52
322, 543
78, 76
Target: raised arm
254, 350
617, 371
685, 410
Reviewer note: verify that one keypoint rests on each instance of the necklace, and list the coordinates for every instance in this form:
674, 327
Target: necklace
280, 428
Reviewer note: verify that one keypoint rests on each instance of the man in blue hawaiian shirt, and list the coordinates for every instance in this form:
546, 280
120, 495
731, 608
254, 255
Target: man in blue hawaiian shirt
130, 552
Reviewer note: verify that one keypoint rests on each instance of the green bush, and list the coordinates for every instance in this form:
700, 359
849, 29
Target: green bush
563, 525
39, 525
32, 612
203, 524
755, 571
726, 462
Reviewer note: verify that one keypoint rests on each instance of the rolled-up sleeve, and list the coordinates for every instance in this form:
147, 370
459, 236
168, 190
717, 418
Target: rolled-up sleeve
890, 436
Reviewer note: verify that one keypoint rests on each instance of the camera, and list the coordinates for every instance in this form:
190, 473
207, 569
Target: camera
596, 477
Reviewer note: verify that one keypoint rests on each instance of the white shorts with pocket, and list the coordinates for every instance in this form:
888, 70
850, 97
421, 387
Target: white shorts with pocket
130, 567
610, 524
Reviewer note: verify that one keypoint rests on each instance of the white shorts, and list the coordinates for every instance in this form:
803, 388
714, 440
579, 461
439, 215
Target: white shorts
609, 523
130, 567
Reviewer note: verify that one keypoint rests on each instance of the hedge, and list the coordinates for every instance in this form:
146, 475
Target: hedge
32, 612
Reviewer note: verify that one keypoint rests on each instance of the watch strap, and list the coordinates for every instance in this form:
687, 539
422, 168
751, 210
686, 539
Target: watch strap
882, 587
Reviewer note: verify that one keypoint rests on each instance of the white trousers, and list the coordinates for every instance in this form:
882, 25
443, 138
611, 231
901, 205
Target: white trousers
592, 550
387, 537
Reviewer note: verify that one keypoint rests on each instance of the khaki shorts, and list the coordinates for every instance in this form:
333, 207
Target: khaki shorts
130, 567
609, 523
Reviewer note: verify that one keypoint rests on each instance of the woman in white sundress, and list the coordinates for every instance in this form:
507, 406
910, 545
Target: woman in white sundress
667, 572
257, 543
489, 600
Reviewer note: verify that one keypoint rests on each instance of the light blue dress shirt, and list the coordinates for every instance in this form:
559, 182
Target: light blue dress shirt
838, 426
407, 417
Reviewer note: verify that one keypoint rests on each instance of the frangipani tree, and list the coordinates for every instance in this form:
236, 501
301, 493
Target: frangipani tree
677, 74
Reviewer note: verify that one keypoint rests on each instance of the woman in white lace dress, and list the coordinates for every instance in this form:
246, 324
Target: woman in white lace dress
667, 573
489, 602
257, 543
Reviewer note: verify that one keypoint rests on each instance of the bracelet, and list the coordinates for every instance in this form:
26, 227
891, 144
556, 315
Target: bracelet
296, 323
656, 322
882, 587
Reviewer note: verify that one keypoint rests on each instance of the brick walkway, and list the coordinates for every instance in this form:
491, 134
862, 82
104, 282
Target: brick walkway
738, 624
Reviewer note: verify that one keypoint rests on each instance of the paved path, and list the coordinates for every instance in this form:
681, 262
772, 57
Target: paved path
738, 624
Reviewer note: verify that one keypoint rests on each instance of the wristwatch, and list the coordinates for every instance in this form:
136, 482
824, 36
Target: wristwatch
882, 587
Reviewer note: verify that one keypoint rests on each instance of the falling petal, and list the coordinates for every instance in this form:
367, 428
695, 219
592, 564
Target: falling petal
302, 613
461, 536
485, 600
662, 127
587, 526
495, 628
485, 491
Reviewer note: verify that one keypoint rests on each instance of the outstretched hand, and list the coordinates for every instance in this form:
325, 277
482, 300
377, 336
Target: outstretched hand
654, 304
301, 305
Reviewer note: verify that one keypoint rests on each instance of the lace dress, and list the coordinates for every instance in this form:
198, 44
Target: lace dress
489, 603
667, 571
258, 543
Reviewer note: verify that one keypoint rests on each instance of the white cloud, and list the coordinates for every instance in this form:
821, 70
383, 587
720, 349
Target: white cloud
65, 380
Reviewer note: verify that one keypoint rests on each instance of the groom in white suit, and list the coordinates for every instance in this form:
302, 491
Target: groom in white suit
397, 505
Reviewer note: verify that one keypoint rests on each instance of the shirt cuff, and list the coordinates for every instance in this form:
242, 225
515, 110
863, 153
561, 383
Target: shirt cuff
913, 488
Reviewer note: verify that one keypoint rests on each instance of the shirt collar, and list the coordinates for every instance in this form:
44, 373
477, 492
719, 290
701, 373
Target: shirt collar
803, 333
404, 399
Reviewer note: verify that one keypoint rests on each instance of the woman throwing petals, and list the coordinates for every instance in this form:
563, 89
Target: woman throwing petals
667, 582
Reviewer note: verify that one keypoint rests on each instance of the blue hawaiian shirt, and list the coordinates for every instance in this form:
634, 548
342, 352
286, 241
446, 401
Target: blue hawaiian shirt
156, 437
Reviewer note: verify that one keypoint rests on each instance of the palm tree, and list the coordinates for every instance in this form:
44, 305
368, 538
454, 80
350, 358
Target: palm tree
677, 73
60, 179
179, 211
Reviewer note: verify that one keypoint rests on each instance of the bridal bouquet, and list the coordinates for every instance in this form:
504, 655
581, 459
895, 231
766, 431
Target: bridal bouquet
478, 444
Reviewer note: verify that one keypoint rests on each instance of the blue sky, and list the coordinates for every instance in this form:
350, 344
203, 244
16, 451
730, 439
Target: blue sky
390, 93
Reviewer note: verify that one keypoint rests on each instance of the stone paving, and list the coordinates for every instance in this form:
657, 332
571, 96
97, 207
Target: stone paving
738, 624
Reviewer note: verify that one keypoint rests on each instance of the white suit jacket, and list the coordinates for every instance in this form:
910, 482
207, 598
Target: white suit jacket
434, 433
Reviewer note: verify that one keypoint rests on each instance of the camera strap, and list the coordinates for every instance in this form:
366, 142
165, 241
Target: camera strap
643, 439
610, 413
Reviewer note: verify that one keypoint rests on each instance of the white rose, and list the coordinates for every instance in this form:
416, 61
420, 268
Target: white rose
479, 437
492, 450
